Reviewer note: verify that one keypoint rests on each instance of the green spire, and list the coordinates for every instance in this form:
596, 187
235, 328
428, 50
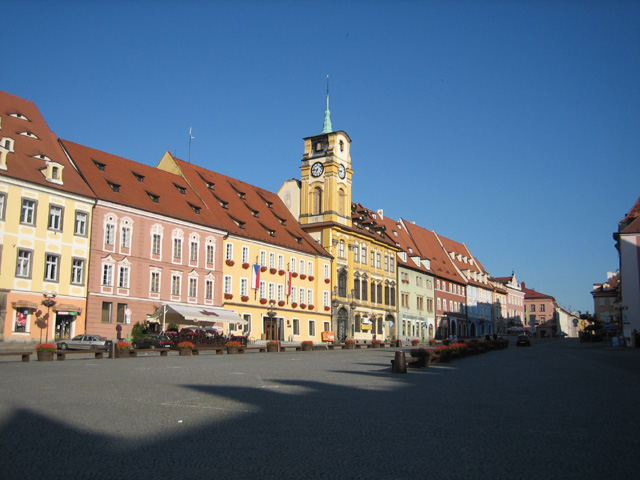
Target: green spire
326, 128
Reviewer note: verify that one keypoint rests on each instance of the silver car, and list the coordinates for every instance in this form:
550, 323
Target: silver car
84, 342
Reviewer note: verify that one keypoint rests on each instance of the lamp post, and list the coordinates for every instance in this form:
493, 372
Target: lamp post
271, 313
48, 302
621, 308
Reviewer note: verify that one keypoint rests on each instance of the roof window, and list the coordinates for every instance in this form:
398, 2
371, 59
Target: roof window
154, 198
42, 157
139, 177
29, 134
19, 115
101, 166
114, 186
181, 189
195, 208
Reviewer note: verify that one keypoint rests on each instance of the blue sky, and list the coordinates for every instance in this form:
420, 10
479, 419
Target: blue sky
513, 127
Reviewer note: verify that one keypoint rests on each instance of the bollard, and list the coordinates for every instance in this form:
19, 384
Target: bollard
399, 364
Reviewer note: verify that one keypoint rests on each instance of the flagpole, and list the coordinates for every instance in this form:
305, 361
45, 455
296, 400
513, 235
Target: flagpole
190, 138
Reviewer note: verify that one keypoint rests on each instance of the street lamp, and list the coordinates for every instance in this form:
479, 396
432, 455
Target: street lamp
271, 313
48, 302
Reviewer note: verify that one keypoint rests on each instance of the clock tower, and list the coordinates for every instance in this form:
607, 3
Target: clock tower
325, 191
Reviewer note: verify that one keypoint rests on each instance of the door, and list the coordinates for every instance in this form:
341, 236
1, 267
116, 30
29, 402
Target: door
342, 325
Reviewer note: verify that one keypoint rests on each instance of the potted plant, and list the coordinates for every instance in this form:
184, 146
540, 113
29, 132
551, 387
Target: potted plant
424, 354
263, 301
349, 344
327, 308
375, 343
307, 345
244, 298
273, 346
185, 348
311, 278
281, 272
303, 305
124, 350
394, 342
233, 346
272, 271
230, 263
281, 303
228, 296
415, 342
263, 269
311, 307
444, 354
327, 280
302, 276
245, 266
294, 304
294, 274
432, 342
45, 352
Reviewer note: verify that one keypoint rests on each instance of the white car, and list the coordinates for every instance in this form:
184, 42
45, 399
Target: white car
84, 342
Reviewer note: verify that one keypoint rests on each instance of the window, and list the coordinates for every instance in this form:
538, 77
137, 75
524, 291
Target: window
356, 254
193, 251
404, 300
294, 262
22, 321
301, 297
107, 312
245, 254
341, 249
373, 258
280, 262
310, 269
55, 218
272, 291
296, 326
310, 297
312, 328
109, 234
365, 290
23, 265
262, 290
342, 283
420, 303
356, 288
228, 251
155, 282
120, 318
373, 293
386, 263
280, 292
263, 258
326, 299
364, 255
156, 241
533, 308
77, 271
81, 223
208, 289
28, 212
3, 200
51, 265
193, 287
244, 287
175, 285
387, 295
125, 237
177, 248
301, 267
392, 264
438, 285
294, 294
317, 201
439, 304
272, 260
107, 275
123, 277
542, 308
429, 305
327, 273
228, 284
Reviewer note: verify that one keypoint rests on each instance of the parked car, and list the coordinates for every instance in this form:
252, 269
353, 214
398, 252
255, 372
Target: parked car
523, 340
84, 342
153, 341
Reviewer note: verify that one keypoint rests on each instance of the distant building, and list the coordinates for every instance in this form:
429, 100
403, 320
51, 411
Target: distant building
606, 297
515, 315
540, 310
628, 244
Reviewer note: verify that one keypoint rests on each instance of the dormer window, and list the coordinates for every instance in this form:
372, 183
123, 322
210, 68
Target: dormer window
318, 146
114, 186
269, 204
182, 190
410, 250
139, 177
241, 195
255, 213
29, 134
195, 209
19, 115
224, 204
101, 166
210, 185
7, 144
53, 172
42, 157
154, 198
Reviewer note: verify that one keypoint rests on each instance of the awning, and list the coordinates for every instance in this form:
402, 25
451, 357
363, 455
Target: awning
193, 315
24, 304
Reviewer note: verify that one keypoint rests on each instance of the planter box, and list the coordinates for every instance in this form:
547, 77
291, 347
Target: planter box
125, 354
45, 356
185, 352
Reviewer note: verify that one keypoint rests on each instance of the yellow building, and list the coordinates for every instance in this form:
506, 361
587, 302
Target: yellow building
363, 271
45, 218
275, 275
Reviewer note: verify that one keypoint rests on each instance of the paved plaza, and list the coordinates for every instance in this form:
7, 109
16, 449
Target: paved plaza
559, 409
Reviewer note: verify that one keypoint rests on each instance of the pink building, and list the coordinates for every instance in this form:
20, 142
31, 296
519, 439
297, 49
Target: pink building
151, 244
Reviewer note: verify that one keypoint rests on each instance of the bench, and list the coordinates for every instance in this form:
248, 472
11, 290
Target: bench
284, 349
410, 362
26, 356
219, 350
260, 349
164, 352
62, 354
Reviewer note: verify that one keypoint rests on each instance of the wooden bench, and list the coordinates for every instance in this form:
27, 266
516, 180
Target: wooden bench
62, 354
410, 362
284, 349
219, 349
164, 352
260, 349
26, 356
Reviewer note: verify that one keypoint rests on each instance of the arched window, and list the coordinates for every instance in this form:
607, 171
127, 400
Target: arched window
317, 201
342, 283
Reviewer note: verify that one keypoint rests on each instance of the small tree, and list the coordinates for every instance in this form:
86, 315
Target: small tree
137, 331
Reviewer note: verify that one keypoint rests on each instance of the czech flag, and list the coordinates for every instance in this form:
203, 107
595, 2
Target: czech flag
255, 277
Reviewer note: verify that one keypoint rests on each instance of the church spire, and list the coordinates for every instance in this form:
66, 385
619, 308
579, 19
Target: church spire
327, 128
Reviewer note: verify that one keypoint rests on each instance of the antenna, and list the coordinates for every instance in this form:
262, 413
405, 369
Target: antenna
190, 138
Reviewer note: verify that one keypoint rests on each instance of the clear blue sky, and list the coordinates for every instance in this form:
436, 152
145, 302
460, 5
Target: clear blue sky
513, 127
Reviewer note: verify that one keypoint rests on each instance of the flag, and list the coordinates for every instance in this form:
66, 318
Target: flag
255, 277
288, 285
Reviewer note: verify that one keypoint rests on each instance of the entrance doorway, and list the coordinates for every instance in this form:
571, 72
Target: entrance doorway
273, 328
342, 325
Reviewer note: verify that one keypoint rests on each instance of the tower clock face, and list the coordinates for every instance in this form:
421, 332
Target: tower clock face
317, 169
342, 171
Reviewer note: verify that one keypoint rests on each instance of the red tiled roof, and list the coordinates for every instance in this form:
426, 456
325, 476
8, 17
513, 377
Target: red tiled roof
633, 213
531, 294
22, 164
248, 211
136, 184
430, 248
404, 242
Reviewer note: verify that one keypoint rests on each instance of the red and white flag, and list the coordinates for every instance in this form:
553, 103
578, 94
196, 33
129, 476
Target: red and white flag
255, 277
